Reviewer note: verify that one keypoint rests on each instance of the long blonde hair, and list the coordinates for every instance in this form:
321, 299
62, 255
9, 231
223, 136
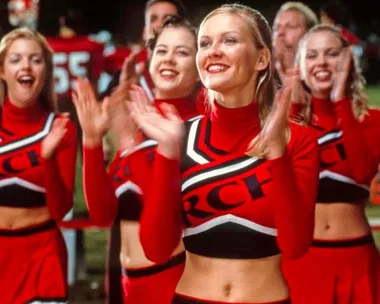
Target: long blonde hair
47, 99
262, 39
356, 81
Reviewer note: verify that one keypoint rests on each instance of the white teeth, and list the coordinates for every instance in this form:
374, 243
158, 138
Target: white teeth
26, 78
168, 73
216, 68
322, 74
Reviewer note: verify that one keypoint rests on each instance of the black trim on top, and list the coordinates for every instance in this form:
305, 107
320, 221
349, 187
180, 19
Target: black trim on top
364, 240
17, 196
129, 206
216, 178
143, 272
207, 141
232, 241
331, 190
50, 224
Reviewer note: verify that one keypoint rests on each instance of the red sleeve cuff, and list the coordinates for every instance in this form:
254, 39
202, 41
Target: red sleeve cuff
166, 166
93, 152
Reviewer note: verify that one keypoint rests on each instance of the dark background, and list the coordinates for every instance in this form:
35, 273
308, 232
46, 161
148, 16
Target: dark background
124, 18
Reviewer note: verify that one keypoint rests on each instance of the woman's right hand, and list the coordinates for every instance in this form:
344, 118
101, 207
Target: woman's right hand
131, 70
93, 116
166, 128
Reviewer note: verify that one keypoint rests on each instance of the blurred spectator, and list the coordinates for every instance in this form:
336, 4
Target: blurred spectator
292, 21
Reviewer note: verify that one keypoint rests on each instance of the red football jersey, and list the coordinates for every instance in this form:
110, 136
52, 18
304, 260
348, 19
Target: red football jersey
114, 61
75, 57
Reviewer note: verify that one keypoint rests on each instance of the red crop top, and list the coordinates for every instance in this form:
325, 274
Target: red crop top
349, 150
27, 180
232, 205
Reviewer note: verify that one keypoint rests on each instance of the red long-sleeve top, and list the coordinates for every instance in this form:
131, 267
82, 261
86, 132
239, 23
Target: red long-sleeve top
120, 191
215, 183
348, 148
26, 179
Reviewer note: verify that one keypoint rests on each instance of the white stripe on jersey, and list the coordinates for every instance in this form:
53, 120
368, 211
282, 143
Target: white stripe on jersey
144, 144
47, 302
219, 171
229, 218
191, 143
341, 178
329, 136
29, 140
21, 182
128, 186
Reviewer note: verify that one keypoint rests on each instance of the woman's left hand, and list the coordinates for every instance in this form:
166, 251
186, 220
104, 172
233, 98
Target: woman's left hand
340, 85
53, 139
273, 138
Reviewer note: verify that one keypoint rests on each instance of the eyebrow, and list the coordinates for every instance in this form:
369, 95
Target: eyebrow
20, 53
177, 47
335, 48
223, 34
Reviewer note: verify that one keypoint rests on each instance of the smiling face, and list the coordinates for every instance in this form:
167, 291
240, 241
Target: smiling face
227, 57
172, 65
24, 71
320, 59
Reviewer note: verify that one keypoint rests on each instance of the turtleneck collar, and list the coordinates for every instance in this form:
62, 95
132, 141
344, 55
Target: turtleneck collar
13, 115
185, 106
236, 117
322, 106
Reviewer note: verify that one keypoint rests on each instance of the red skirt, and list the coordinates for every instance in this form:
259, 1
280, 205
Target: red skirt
155, 284
182, 299
33, 263
336, 272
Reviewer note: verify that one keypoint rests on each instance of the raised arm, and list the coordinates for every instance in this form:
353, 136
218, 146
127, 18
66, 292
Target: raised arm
94, 119
295, 179
58, 152
293, 152
355, 142
161, 221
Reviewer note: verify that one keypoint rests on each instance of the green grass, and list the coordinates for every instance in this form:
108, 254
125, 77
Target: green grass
374, 211
95, 240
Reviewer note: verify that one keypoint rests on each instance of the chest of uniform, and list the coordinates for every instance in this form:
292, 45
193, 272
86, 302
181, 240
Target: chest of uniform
239, 186
20, 160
